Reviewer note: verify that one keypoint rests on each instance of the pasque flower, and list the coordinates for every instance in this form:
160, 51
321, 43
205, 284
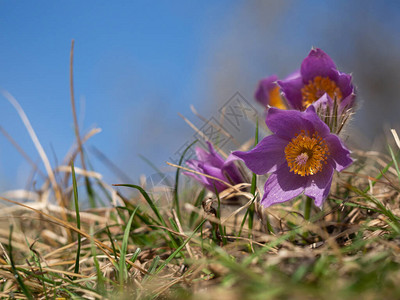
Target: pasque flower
318, 76
268, 93
301, 154
211, 163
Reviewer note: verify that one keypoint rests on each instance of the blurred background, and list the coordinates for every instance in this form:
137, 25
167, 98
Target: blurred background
137, 64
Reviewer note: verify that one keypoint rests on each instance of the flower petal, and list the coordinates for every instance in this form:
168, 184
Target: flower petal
318, 125
339, 154
344, 84
212, 158
324, 103
347, 102
283, 186
230, 171
266, 156
287, 123
318, 63
208, 170
319, 185
194, 164
264, 88
291, 88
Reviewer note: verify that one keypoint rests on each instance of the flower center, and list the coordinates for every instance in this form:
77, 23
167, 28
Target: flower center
275, 98
305, 154
317, 87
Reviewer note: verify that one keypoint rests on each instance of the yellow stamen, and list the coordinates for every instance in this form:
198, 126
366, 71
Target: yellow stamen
305, 154
315, 88
275, 98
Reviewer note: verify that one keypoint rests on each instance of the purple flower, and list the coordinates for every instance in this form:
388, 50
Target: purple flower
211, 163
318, 75
268, 93
301, 154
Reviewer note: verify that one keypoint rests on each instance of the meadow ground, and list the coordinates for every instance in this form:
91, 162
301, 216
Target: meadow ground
134, 243
180, 241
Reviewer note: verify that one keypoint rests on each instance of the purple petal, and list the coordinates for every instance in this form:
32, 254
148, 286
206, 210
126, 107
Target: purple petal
212, 158
318, 125
230, 171
194, 164
283, 186
208, 170
339, 154
213, 171
344, 84
323, 103
266, 156
318, 63
287, 123
217, 173
319, 185
291, 88
347, 102
264, 88
200, 179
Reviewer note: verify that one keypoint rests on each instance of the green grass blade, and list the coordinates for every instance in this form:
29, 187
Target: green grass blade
379, 176
245, 216
396, 165
220, 229
179, 248
136, 254
199, 200
24, 289
253, 189
395, 224
100, 280
36, 258
78, 219
123, 271
176, 198
153, 207
112, 242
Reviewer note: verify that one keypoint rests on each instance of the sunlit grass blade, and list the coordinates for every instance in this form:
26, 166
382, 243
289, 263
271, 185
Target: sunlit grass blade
37, 261
123, 271
253, 188
153, 207
100, 279
17, 276
379, 176
245, 216
78, 218
394, 159
395, 221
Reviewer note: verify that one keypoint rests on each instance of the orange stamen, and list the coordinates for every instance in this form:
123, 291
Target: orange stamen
315, 88
275, 98
305, 154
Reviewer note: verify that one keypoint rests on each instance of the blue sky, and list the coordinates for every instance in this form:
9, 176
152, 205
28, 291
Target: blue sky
137, 64
126, 55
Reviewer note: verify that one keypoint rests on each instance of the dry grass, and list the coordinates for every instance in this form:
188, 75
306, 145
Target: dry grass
349, 248
134, 243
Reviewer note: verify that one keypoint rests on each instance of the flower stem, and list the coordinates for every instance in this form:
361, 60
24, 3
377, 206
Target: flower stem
307, 209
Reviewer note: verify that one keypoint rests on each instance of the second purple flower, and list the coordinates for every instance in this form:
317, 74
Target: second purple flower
211, 163
318, 76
